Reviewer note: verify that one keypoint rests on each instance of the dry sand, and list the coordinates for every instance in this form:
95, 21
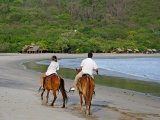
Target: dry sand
19, 99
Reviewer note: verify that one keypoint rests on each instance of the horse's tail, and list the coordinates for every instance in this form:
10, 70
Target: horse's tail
62, 88
90, 90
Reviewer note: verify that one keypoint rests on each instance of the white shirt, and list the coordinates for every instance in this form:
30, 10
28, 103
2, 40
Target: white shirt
52, 68
88, 65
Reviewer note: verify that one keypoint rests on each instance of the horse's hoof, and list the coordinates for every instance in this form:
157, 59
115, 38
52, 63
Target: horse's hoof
63, 106
51, 104
87, 113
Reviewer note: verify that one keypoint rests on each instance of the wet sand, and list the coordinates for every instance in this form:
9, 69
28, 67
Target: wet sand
19, 99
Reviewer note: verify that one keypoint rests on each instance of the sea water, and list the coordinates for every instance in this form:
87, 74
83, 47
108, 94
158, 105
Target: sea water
137, 68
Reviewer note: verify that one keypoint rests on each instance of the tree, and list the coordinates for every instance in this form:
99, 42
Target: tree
61, 44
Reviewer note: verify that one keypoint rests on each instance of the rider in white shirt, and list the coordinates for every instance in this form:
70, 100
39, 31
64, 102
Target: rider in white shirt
52, 68
87, 66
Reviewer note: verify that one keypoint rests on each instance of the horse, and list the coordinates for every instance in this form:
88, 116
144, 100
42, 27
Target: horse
55, 83
86, 86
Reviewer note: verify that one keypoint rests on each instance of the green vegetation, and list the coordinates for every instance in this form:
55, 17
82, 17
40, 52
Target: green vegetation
124, 83
79, 25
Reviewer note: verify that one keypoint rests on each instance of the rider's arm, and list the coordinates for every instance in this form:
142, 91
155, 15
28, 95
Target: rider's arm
97, 71
95, 67
80, 68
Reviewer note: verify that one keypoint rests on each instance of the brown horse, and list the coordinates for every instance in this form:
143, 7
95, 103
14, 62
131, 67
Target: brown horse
55, 83
85, 85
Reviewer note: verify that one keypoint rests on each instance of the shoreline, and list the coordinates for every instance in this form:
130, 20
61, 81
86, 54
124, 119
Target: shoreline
19, 95
106, 72
112, 81
95, 55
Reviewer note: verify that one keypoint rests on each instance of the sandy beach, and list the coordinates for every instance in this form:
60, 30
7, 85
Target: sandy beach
20, 100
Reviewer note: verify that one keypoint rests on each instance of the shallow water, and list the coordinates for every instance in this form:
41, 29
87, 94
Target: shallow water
137, 68
152, 88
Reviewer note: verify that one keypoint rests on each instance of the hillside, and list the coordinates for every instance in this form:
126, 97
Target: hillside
79, 25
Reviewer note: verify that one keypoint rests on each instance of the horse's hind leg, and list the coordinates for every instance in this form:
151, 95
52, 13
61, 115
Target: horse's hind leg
47, 96
88, 105
55, 97
88, 108
42, 94
63, 106
81, 101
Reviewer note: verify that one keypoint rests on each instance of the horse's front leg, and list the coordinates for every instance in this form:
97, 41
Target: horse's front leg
47, 96
42, 94
81, 101
55, 97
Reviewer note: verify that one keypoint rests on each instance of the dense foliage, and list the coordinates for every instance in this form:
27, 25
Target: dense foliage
79, 25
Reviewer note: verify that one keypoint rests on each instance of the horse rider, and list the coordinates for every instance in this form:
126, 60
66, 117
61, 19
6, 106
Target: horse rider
52, 68
87, 66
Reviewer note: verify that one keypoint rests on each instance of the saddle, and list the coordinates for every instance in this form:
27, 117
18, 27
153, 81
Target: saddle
85, 74
50, 76
45, 80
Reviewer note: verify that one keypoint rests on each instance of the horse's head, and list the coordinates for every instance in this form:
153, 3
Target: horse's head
78, 70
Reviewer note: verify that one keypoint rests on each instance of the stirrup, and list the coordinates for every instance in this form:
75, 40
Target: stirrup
72, 89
